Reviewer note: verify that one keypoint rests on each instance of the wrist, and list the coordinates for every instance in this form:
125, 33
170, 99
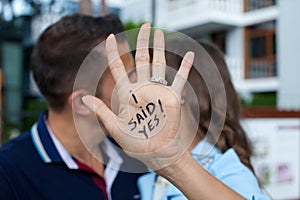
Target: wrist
174, 170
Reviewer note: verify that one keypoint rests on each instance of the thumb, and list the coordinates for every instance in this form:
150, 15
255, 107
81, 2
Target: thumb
97, 106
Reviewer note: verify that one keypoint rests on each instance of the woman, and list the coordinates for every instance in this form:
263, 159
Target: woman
229, 160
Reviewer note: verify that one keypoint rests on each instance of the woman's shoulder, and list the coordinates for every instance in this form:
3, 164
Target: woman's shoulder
228, 168
218, 162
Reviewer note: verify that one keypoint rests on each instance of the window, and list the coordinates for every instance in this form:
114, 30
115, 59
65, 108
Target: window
257, 47
260, 51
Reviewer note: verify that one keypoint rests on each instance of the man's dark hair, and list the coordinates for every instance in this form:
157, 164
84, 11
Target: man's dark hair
61, 49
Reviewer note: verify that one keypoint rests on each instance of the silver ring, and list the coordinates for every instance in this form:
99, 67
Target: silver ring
157, 79
182, 101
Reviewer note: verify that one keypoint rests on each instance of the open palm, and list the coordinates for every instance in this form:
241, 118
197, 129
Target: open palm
146, 126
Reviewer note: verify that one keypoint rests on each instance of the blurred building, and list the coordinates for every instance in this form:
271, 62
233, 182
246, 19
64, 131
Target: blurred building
260, 42
262, 47
21, 22
244, 30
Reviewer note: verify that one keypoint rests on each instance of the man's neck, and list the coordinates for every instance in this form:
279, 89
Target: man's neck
64, 129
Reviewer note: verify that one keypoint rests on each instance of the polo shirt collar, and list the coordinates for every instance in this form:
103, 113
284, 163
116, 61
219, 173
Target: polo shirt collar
64, 155
43, 141
52, 151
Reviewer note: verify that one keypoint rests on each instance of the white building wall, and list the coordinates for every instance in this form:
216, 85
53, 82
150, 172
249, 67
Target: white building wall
288, 55
235, 43
235, 54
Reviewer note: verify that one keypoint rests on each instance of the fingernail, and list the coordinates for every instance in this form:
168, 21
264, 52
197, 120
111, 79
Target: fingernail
190, 54
110, 36
146, 25
87, 100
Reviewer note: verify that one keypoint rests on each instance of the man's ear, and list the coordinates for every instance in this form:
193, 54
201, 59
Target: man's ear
75, 100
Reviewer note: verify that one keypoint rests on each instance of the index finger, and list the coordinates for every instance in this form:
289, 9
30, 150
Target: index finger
183, 72
116, 65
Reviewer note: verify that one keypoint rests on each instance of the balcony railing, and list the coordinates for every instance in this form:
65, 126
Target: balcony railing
261, 69
250, 5
261, 75
236, 69
257, 68
228, 6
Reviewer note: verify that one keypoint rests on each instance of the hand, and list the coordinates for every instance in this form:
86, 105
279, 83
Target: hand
146, 126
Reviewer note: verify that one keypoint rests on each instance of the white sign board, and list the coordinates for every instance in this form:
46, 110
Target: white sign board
276, 156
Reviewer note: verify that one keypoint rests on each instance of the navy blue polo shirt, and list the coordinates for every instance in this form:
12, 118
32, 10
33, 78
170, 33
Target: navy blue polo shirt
31, 167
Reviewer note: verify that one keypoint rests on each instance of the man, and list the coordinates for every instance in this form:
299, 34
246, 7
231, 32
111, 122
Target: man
50, 161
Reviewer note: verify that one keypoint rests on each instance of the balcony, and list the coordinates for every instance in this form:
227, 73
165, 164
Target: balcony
261, 76
213, 14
